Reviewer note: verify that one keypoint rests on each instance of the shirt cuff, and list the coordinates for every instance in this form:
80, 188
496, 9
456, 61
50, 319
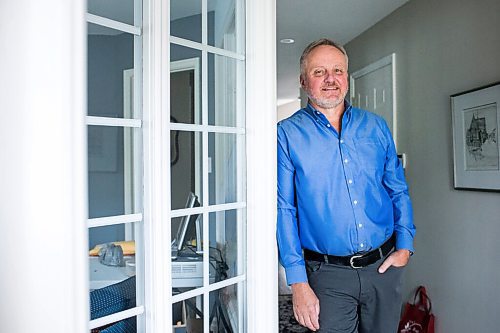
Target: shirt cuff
296, 274
404, 242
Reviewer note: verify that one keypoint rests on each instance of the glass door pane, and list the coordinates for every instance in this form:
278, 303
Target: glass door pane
185, 85
185, 19
225, 98
187, 253
118, 10
222, 24
186, 167
187, 315
227, 240
226, 180
111, 166
110, 55
224, 308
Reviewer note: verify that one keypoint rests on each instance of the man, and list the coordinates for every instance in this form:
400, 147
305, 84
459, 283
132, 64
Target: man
345, 225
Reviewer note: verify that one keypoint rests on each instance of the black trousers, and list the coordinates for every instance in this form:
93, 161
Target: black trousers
356, 300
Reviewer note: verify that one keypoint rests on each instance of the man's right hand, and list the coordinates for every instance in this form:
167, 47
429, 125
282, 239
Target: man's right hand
305, 305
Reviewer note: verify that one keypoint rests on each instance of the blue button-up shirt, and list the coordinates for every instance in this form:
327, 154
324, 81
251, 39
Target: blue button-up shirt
338, 194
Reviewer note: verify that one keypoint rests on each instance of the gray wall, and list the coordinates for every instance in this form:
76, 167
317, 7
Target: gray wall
443, 47
108, 57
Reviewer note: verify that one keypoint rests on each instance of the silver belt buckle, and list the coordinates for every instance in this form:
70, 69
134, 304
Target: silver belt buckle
351, 261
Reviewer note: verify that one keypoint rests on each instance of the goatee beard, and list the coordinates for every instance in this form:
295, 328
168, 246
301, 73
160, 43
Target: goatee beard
325, 103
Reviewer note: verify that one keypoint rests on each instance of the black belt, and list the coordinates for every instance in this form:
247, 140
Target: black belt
355, 261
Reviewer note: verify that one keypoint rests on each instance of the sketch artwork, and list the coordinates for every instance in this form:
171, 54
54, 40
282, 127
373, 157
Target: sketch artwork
476, 151
481, 138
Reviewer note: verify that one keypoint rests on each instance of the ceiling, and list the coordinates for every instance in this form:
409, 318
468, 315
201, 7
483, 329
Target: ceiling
308, 20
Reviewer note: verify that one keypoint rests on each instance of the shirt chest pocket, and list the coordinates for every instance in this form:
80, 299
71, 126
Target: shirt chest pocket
371, 154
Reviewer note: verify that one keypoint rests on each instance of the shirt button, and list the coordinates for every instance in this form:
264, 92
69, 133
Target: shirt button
346, 160
327, 125
350, 181
317, 112
360, 225
362, 245
355, 202
341, 141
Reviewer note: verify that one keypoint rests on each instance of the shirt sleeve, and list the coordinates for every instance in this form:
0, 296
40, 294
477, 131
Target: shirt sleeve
395, 184
287, 234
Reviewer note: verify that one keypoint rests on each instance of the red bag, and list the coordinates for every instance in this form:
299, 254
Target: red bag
417, 317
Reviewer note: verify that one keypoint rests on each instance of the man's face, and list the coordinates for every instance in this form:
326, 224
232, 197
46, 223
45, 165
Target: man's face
325, 77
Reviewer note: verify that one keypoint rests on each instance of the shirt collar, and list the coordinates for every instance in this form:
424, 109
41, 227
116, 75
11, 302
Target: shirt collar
318, 115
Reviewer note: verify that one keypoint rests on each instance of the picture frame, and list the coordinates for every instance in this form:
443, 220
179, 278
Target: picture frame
476, 150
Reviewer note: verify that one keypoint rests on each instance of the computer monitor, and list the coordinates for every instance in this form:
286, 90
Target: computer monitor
180, 237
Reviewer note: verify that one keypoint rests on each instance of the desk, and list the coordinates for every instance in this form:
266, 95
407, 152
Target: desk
187, 272
102, 276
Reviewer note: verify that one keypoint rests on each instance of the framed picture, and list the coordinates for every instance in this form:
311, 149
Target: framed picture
476, 151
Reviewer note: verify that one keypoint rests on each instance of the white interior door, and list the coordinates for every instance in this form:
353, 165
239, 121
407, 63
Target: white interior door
373, 89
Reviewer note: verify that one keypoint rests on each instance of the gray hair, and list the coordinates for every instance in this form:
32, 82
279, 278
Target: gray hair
315, 44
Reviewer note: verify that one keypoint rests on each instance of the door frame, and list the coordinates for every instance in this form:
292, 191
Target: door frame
194, 65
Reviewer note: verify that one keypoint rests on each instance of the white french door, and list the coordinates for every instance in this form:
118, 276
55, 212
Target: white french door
128, 173
207, 163
168, 158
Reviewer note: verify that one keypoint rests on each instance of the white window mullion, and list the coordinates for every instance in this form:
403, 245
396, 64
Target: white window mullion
204, 22
99, 322
117, 122
204, 47
112, 24
137, 164
240, 22
202, 290
206, 128
210, 209
241, 234
128, 150
111, 220
241, 176
242, 288
206, 215
206, 277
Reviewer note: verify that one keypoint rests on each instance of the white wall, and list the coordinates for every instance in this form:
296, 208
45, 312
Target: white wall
443, 47
285, 110
43, 233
